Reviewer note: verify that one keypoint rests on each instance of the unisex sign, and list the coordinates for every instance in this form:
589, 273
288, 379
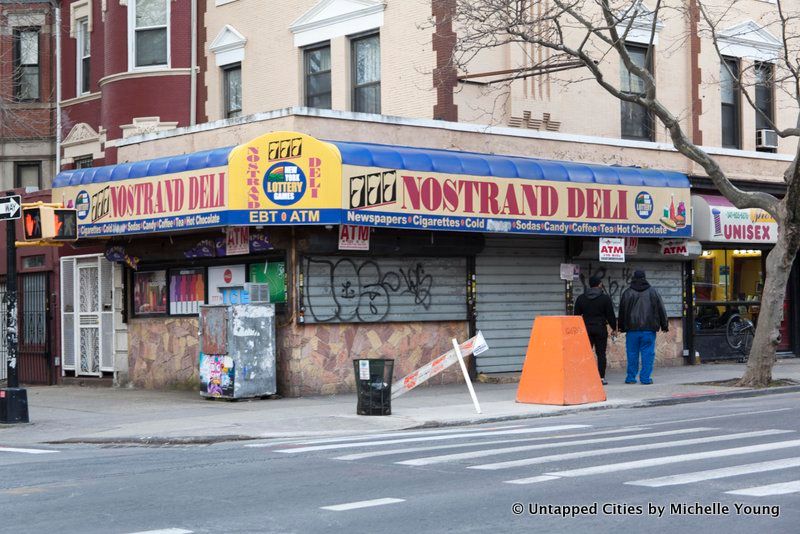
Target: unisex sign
410, 199
719, 221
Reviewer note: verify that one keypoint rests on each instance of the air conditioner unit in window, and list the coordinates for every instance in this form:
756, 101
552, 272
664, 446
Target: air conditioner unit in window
257, 292
766, 139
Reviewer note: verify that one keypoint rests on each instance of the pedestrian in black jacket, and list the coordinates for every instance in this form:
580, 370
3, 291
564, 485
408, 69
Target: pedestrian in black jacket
598, 311
641, 315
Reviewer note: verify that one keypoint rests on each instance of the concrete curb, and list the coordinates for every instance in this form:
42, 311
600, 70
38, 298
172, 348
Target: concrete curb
154, 441
159, 441
666, 401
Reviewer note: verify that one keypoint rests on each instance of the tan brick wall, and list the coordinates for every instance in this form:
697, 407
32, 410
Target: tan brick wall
163, 352
312, 359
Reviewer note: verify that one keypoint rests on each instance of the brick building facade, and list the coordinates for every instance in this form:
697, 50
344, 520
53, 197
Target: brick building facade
27, 94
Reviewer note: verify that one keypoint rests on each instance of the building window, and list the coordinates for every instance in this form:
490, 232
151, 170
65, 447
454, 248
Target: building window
26, 64
318, 77
83, 56
150, 23
729, 89
28, 174
83, 162
637, 121
232, 88
366, 74
765, 106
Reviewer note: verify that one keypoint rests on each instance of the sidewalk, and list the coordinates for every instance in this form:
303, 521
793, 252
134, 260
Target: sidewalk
106, 415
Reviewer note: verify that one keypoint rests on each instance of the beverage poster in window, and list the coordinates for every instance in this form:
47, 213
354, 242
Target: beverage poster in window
150, 293
272, 273
221, 277
187, 291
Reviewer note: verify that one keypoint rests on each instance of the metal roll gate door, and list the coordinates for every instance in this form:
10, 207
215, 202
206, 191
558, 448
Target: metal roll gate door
517, 279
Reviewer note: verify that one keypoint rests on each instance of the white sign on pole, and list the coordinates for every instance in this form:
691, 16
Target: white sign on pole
352, 237
612, 249
466, 376
237, 240
475, 345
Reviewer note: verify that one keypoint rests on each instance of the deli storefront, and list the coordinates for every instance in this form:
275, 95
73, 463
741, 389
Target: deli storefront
456, 242
728, 277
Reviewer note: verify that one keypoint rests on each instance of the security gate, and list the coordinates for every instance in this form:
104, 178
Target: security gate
517, 279
34, 361
3, 349
87, 316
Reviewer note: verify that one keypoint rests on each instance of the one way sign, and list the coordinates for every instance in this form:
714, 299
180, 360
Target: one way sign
10, 207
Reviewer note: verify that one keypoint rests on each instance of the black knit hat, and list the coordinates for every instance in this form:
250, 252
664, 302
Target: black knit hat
595, 281
638, 275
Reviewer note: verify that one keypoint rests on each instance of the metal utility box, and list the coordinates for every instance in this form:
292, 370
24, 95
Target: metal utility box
237, 351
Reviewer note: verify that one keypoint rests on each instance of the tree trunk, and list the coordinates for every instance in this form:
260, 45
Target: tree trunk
767, 336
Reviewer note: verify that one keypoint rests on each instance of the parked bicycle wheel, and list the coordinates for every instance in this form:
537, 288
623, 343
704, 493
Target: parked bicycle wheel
736, 332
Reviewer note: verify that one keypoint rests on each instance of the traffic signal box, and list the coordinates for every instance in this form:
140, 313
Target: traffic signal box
47, 223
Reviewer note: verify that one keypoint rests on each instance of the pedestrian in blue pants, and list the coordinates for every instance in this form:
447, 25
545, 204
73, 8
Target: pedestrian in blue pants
641, 315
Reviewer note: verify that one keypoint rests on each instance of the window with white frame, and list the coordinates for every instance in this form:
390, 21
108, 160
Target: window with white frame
318, 76
366, 74
637, 121
25, 72
148, 33
232, 89
729, 93
83, 55
28, 174
764, 101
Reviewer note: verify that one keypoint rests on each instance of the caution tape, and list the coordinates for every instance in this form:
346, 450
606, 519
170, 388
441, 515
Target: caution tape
474, 345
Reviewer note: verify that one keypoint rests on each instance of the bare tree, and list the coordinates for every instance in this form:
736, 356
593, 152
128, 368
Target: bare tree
594, 33
25, 103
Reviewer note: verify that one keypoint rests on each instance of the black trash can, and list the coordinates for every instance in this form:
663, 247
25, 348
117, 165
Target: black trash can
374, 386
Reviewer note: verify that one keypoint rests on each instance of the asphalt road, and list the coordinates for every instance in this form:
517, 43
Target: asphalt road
731, 466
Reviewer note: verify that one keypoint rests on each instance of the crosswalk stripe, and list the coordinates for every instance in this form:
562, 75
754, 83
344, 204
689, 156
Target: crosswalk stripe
342, 439
723, 416
25, 451
781, 488
712, 474
506, 450
664, 460
361, 504
390, 452
430, 438
631, 448
165, 531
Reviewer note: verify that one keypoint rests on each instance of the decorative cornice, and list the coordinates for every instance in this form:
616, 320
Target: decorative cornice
80, 99
81, 133
307, 21
143, 74
221, 43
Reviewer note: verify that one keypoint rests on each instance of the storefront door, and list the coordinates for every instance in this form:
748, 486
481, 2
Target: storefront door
517, 279
86, 315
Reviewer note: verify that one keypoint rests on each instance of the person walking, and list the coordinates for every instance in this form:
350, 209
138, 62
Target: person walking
641, 315
597, 310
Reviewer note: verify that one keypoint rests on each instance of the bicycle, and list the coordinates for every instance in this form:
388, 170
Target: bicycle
739, 334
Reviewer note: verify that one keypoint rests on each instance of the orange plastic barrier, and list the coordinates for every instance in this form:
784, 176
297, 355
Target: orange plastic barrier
560, 367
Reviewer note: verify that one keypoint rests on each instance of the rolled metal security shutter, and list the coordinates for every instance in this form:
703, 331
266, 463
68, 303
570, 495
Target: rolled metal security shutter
343, 289
517, 279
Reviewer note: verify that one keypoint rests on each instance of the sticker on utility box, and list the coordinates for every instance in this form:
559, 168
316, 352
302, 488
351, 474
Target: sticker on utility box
363, 369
